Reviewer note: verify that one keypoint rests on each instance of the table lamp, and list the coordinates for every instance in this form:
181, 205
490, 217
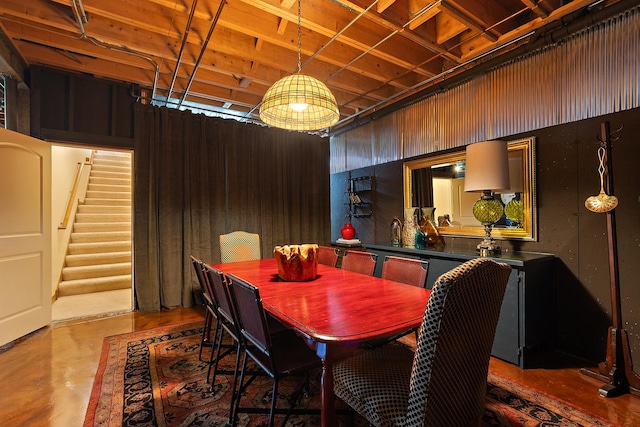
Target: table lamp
487, 170
514, 209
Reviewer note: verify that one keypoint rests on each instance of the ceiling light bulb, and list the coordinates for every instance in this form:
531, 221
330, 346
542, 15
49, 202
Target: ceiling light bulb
298, 107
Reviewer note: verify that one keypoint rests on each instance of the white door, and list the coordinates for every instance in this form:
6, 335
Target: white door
463, 205
25, 235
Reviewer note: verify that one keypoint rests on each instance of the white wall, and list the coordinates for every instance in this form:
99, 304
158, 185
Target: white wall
442, 197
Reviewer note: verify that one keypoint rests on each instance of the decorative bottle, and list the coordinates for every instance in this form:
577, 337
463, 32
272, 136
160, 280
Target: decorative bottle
410, 227
420, 239
396, 232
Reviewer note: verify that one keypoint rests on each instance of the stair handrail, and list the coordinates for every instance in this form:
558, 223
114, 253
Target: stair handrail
74, 190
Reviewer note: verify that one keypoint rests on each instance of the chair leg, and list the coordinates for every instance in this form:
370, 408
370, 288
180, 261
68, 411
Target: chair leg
238, 391
206, 333
274, 397
215, 356
234, 387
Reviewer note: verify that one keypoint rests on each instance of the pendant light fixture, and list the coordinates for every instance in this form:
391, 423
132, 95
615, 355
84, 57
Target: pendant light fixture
298, 101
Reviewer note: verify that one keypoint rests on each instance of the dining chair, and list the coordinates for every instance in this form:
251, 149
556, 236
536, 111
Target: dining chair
409, 271
405, 270
359, 262
444, 382
327, 256
239, 246
228, 325
210, 312
279, 356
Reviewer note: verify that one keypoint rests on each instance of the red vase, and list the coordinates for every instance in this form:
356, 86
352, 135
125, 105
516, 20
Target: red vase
348, 232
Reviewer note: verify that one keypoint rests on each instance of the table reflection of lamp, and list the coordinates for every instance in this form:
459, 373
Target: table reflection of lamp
487, 170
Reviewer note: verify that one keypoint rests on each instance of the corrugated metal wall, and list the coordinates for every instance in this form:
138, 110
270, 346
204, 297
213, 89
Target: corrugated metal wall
592, 73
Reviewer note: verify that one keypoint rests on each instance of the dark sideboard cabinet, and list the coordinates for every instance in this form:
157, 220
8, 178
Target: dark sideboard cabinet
525, 327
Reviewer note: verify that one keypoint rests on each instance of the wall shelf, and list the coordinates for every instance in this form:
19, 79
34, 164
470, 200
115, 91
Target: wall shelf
359, 204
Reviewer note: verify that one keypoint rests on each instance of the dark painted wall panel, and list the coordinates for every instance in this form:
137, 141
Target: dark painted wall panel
91, 106
123, 103
81, 109
52, 86
567, 174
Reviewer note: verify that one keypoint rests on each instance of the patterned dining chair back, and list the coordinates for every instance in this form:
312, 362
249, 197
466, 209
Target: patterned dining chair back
327, 256
444, 382
359, 262
405, 270
449, 374
239, 246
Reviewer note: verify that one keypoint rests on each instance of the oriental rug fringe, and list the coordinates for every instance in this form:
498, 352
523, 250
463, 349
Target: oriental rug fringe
155, 378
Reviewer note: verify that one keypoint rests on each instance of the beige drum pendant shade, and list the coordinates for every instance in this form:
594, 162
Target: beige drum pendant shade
299, 102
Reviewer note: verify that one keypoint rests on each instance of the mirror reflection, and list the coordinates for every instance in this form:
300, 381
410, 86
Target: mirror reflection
438, 182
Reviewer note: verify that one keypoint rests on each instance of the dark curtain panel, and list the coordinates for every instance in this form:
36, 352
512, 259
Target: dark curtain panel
422, 188
197, 177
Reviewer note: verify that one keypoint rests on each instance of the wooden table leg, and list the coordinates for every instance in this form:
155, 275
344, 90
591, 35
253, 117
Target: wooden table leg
328, 414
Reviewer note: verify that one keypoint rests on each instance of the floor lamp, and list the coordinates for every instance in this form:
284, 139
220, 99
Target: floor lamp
617, 369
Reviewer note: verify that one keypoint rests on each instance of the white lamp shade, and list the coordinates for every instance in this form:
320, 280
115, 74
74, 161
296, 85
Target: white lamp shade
487, 166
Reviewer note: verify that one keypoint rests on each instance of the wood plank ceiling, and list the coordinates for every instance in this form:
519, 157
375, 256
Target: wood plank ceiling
226, 55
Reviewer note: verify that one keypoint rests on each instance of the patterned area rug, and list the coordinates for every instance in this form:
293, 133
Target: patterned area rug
154, 378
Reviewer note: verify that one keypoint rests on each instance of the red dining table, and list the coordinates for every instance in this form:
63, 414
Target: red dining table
335, 312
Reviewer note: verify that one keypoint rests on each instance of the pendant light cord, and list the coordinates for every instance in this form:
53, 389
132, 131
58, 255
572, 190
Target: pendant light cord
299, 37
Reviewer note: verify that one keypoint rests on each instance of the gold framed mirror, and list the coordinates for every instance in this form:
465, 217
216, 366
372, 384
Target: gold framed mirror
438, 182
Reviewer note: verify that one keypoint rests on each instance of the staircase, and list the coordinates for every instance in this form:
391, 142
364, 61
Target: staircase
99, 253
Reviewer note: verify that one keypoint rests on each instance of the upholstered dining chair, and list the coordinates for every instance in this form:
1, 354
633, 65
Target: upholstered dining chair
278, 356
210, 313
444, 382
239, 246
359, 262
327, 256
405, 270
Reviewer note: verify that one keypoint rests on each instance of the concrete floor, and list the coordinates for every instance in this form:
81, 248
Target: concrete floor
97, 304
47, 376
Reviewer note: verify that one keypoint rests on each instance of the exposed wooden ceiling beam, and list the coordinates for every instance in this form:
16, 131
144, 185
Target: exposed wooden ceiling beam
531, 4
370, 53
12, 63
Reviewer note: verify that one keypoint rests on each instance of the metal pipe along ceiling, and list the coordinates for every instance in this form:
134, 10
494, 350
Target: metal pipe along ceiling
549, 34
202, 51
81, 16
185, 36
338, 34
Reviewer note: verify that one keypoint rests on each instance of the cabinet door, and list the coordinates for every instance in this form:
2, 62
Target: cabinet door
506, 342
437, 267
